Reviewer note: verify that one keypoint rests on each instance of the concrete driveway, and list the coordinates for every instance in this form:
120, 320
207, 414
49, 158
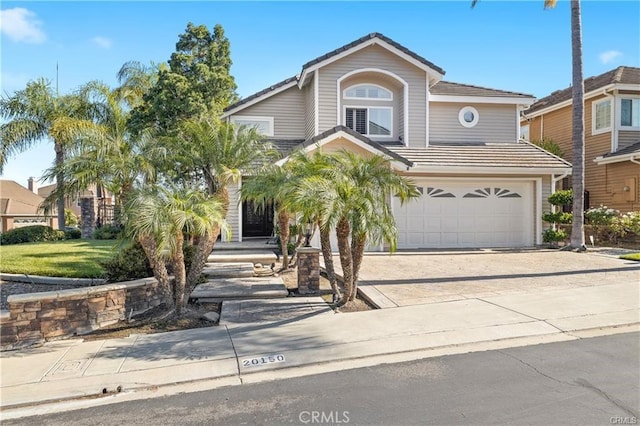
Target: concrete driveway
414, 278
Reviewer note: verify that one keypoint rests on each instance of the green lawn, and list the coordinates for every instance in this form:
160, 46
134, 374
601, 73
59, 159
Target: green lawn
71, 258
632, 256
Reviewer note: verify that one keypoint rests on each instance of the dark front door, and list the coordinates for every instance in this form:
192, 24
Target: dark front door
257, 223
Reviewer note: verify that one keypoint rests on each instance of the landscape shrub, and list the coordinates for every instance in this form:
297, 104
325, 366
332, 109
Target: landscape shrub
128, 264
70, 218
31, 234
557, 217
107, 232
562, 198
553, 235
72, 234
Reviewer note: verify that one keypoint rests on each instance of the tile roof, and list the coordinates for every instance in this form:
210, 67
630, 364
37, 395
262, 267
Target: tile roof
499, 155
631, 149
18, 200
369, 37
620, 75
458, 89
286, 146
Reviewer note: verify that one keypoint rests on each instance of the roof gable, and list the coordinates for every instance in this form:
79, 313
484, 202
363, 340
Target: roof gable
372, 38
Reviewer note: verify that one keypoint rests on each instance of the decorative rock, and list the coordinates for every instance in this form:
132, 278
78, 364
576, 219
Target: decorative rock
211, 316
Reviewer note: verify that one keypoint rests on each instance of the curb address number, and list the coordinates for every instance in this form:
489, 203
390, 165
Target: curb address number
262, 360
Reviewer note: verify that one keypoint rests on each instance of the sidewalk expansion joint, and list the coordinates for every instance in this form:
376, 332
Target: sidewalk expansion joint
520, 313
235, 352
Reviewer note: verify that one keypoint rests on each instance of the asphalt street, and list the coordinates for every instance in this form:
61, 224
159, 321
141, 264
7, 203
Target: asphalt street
588, 381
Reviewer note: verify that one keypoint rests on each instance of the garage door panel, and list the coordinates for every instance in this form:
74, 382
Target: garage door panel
473, 214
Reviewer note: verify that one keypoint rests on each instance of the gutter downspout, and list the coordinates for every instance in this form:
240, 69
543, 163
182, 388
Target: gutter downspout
635, 160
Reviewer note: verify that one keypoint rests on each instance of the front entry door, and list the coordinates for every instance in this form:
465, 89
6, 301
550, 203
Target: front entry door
257, 223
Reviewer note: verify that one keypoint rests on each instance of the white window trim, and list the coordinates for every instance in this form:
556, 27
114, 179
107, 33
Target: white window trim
594, 104
368, 107
476, 116
619, 116
354, 98
255, 118
405, 97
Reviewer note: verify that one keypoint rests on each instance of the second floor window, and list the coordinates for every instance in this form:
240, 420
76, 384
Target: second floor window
630, 112
369, 121
602, 115
368, 91
264, 125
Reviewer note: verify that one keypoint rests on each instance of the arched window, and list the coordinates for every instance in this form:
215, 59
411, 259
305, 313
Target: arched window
368, 91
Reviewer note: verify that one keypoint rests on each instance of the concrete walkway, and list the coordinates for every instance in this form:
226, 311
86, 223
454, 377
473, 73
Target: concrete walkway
311, 342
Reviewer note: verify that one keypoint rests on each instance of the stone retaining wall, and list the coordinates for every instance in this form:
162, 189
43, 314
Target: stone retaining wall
36, 317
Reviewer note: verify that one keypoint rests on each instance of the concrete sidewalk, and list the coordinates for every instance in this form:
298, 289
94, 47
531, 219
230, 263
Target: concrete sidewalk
249, 352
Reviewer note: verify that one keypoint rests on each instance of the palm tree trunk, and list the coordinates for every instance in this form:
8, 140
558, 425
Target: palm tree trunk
203, 249
342, 232
357, 252
60, 183
325, 244
577, 229
159, 268
283, 226
179, 274
206, 244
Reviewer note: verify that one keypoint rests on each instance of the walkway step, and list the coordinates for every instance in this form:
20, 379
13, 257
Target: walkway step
272, 310
228, 270
265, 257
240, 288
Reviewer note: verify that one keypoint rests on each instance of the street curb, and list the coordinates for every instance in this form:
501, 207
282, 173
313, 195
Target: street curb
206, 383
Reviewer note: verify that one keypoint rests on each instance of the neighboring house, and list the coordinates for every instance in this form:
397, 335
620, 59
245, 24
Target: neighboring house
103, 200
20, 206
612, 135
480, 185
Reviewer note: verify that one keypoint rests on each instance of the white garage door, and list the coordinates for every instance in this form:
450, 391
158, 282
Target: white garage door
467, 214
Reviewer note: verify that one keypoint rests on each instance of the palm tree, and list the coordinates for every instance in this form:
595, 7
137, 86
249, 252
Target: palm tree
352, 194
107, 154
38, 113
159, 218
577, 122
365, 188
220, 153
313, 198
273, 185
136, 79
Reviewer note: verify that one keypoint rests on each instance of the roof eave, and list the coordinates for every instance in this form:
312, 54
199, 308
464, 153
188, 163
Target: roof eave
483, 99
617, 158
497, 170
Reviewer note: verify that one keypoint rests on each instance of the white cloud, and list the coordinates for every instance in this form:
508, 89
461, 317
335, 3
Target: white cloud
20, 24
609, 56
100, 41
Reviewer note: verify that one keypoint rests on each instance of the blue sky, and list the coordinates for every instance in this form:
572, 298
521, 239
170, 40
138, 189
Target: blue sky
511, 45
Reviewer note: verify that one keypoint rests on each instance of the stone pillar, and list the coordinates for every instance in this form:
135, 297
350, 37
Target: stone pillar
88, 211
308, 270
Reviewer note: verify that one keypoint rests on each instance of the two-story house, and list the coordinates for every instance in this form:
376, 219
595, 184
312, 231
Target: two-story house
481, 186
612, 135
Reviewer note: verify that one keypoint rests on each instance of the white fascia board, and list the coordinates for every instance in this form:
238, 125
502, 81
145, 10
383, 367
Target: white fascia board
588, 95
435, 74
488, 170
482, 99
259, 99
616, 159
